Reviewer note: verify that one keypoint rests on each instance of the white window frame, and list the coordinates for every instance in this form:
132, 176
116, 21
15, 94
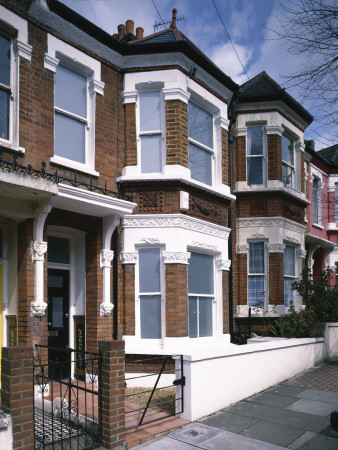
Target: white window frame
212, 296
201, 146
15, 28
160, 132
263, 156
76, 60
139, 294
286, 164
318, 214
290, 277
262, 274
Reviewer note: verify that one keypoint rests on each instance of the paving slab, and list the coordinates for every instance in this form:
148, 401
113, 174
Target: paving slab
228, 421
271, 399
195, 433
295, 419
231, 441
313, 407
283, 389
166, 443
316, 442
303, 439
319, 396
244, 408
273, 433
331, 432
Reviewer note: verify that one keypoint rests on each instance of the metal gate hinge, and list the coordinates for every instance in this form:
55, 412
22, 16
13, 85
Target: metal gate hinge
179, 382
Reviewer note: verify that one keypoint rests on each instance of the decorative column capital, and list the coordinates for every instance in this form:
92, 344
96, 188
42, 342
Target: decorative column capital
38, 309
276, 248
106, 309
301, 253
128, 257
223, 264
242, 248
106, 257
38, 250
176, 257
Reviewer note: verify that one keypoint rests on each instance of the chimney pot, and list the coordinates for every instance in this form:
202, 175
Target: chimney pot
139, 32
121, 31
130, 27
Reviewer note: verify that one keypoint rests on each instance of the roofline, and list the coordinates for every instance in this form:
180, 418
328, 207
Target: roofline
317, 155
126, 49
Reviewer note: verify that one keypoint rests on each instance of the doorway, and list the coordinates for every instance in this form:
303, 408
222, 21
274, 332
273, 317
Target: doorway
58, 322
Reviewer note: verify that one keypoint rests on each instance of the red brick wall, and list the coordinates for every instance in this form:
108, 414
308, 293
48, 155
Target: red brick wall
274, 143
276, 279
225, 157
176, 119
176, 295
129, 299
242, 278
239, 158
130, 134
226, 318
147, 364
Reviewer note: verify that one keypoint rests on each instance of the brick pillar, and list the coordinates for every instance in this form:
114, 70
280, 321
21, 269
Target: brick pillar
113, 393
17, 396
226, 319
225, 157
129, 299
274, 157
176, 116
176, 294
276, 279
130, 134
242, 279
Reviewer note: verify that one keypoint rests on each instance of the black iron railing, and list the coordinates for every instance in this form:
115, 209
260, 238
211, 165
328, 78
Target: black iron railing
67, 411
55, 177
150, 412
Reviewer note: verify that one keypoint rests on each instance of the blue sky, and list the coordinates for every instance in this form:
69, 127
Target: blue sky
248, 23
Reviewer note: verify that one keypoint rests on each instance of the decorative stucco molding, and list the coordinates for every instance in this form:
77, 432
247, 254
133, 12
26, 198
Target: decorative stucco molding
204, 247
38, 250
38, 309
129, 97
301, 253
96, 86
274, 129
222, 122
106, 309
293, 240
300, 146
51, 63
176, 94
276, 248
242, 248
150, 241
279, 222
257, 236
106, 257
223, 264
128, 258
176, 257
23, 50
175, 221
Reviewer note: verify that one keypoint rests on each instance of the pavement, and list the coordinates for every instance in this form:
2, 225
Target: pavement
294, 414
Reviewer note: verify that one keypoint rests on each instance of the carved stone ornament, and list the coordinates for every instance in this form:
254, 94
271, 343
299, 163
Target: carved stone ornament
106, 309
204, 207
106, 257
38, 309
242, 248
38, 249
223, 264
292, 239
257, 236
276, 248
176, 257
271, 222
128, 258
150, 241
301, 253
206, 247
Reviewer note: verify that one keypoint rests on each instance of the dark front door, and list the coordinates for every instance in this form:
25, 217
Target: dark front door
58, 322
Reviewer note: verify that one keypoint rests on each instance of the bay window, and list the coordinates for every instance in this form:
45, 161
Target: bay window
288, 161
201, 294
151, 135
256, 274
255, 155
201, 143
71, 121
289, 274
5, 85
150, 293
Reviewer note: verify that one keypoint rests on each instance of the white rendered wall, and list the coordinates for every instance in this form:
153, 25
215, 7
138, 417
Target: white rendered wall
216, 379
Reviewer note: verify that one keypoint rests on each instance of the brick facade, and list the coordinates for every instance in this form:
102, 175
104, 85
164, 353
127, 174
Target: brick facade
176, 119
176, 294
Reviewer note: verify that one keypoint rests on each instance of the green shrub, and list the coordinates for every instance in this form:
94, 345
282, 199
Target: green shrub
298, 324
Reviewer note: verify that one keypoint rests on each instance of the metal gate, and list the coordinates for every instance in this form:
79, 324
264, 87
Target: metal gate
67, 406
135, 416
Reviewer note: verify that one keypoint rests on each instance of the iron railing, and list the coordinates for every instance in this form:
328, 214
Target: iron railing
150, 412
14, 166
67, 410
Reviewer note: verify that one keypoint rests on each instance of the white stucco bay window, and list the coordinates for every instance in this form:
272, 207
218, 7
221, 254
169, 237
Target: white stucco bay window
77, 80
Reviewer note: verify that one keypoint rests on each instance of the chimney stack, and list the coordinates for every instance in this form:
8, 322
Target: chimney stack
121, 31
130, 27
139, 32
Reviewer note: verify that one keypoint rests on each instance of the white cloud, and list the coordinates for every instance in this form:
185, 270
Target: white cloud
225, 58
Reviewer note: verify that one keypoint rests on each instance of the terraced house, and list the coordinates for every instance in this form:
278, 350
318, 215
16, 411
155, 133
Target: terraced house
115, 164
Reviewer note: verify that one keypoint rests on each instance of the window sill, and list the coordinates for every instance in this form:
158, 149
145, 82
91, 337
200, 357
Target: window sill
272, 186
73, 165
318, 226
8, 145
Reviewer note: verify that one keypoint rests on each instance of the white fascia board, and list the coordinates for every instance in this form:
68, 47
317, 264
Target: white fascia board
90, 203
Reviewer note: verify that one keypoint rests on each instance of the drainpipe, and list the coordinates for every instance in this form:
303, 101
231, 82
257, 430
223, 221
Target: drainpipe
115, 285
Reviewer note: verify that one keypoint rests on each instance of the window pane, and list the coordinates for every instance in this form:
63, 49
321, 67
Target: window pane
201, 274
256, 290
255, 170
69, 138
193, 332
5, 60
336, 204
288, 293
151, 154
256, 257
289, 261
287, 175
71, 91
4, 115
55, 281
287, 150
315, 202
255, 140
200, 125
149, 270
58, 250
200, 164
57, 312
150, 111
150, 317
205, 317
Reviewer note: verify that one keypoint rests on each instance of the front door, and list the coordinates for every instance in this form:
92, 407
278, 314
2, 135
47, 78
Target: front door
58, 322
